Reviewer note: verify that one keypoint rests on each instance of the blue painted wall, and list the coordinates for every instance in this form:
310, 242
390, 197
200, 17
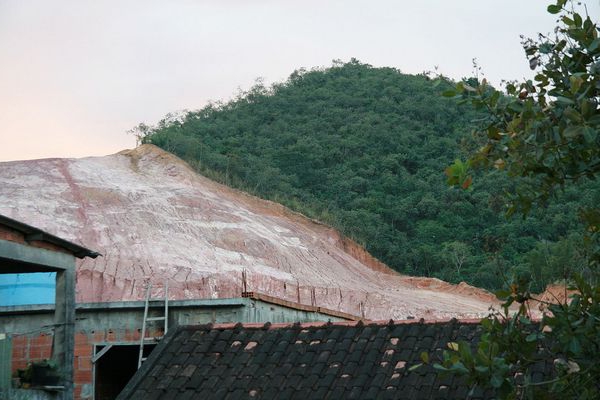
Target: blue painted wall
21, 289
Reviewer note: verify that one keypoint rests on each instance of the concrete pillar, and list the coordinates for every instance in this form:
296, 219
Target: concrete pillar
64, 333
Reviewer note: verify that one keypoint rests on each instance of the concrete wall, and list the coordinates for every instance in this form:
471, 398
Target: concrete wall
99, 324
30, 394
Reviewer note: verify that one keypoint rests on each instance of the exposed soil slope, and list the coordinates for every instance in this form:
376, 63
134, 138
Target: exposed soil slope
154, 219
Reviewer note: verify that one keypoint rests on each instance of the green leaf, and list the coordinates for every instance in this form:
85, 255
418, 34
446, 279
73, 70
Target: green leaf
482, 369
494, 133
553, 9
459, 367
457, 174
515, 106
560, 46
496, 381
425, 357
576, 82
573, 131
568, 21
532, 337
546, 48
440, 367
416, 366
574, 346
590, 134
564, 100
465, 352
494, 98
572, 115
469, 88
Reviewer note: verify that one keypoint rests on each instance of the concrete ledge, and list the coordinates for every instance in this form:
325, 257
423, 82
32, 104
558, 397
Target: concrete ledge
299, 306
33, 259
124, 305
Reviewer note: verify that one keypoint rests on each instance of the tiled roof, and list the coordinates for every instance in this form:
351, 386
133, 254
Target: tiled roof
347, 360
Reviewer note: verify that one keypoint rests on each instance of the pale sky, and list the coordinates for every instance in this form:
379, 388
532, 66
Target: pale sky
76, 75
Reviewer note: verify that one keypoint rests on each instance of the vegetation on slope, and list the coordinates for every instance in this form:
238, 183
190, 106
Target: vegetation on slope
364, 149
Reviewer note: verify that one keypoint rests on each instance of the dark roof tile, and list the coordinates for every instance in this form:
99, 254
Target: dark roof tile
339, 356
310, 381
186, 395
314, 361
326, 380
180, 358
286, 393
179, 383
219, 393
298, 395
337, 393
317, 368
219, 346
148, 383
155, 395
328, 344
308, 358
319, 393
270, 393
164, 382
349, 368
171, 395
355, 392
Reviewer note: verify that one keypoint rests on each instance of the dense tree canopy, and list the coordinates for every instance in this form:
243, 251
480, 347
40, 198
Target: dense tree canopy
364, 149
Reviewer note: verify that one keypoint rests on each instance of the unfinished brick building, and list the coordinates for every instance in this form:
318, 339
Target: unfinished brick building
25, 249
107, 335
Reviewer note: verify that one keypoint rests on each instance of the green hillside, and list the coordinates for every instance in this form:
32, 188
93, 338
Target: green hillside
364, 149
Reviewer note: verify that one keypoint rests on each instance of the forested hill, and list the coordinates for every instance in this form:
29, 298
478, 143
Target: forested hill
364, 149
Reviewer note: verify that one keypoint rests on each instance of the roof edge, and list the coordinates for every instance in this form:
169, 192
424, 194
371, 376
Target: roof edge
305, 325
147, 365
32, 233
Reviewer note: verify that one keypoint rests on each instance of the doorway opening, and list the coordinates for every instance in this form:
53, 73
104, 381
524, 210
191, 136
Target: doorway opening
115, 366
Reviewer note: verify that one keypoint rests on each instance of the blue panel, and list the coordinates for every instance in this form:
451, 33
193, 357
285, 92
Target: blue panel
21, 289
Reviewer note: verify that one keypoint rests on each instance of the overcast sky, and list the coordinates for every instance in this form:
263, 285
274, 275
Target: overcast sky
76, 75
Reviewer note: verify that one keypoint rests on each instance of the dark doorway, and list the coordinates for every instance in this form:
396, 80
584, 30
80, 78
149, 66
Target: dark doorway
115, 368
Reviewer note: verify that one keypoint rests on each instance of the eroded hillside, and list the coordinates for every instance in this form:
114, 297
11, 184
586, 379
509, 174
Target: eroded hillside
154, 219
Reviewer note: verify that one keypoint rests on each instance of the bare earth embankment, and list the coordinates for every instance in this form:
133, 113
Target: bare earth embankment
153, 218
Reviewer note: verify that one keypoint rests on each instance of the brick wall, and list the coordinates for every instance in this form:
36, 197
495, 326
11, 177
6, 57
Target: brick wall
37, 347
12, 235
32, 348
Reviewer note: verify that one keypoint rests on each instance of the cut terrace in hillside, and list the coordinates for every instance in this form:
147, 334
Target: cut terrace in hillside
343, 360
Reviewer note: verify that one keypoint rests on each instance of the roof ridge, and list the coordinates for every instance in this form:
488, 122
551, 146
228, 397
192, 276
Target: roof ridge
319, 324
